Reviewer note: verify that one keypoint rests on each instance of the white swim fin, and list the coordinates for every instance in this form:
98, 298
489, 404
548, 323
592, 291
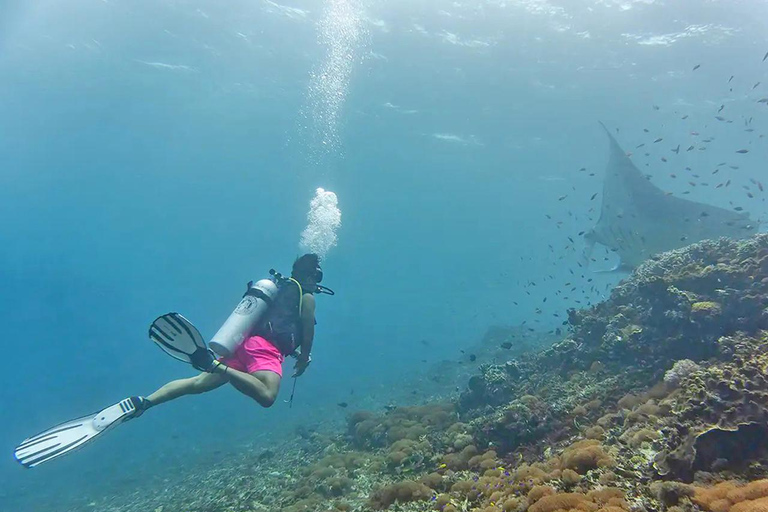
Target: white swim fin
71, 435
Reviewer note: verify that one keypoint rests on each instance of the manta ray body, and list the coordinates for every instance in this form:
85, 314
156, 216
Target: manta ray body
638, 219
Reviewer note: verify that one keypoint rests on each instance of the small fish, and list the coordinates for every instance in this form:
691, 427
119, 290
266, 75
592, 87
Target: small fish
506, 345
684, 117
739, 209
472, 357
658, 140
663, 159
676, 150
673, 175
690, 148
703, 214
720, 109
719, 118
729, 80
765, 56
697, 66
562, 197
593, 196
755, 86
760, 186
763, 100
343, 405
655, 107
742, 151
645, 130
640, 145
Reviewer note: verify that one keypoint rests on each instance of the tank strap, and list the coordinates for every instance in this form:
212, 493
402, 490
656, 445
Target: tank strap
301, 294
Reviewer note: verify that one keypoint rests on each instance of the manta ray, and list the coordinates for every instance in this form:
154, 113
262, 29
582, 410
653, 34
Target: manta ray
638, 219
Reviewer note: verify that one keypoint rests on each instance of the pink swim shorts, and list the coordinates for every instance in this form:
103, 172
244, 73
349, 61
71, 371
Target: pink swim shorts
256, 354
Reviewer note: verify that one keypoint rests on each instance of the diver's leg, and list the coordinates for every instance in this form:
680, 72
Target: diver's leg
261, 385
191, 386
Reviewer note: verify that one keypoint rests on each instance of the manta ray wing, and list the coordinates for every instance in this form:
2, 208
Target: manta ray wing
638, 220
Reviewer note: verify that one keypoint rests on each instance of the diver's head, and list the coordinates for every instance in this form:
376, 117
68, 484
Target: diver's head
306, 270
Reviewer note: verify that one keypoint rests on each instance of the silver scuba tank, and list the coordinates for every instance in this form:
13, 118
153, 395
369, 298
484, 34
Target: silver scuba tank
244, 319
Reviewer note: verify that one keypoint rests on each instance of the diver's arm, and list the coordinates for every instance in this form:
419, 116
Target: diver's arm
307, 335
307, 326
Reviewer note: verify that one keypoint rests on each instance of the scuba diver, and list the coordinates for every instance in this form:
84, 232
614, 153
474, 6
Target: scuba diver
275, 319
255, 367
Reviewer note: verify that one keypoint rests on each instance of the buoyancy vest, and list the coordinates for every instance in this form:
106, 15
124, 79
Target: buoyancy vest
282, 325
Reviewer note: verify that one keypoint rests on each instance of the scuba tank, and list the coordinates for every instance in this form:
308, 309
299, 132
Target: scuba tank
246, 316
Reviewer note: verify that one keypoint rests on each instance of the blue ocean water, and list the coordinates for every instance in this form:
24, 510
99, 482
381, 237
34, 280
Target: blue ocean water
156, 156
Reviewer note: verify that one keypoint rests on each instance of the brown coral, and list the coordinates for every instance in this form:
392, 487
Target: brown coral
732, 497
401, 492
539, 491
563, 501
585, 455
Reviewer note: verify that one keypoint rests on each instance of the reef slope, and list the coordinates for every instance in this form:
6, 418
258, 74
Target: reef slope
656, 399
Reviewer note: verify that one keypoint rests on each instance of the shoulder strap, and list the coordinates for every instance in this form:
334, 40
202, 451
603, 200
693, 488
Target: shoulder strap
301, 293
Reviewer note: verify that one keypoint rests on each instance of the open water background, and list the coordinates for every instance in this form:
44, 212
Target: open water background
155, 156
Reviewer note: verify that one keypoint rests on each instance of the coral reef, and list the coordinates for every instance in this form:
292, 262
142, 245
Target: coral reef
655, 399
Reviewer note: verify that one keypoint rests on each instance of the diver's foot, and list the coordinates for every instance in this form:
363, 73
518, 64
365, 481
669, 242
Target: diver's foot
141, 404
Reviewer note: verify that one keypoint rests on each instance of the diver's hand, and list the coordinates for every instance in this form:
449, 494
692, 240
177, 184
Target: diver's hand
301, 366
219, 367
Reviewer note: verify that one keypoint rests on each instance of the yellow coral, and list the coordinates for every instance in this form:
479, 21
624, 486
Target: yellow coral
706, 308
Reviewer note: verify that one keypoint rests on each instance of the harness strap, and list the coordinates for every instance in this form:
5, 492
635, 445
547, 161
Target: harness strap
301, 293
